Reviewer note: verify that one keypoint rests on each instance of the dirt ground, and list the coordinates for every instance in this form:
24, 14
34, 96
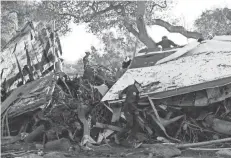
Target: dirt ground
117, 152
105, 151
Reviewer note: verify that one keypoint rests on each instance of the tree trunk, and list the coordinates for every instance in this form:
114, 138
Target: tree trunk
143, 35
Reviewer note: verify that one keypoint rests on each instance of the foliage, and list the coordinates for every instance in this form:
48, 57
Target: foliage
127, 16
113, 53
100, 15
14, 15
214, 22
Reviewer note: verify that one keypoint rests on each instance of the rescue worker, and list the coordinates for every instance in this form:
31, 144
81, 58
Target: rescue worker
166, 43
86, 60
130, 109
126, 62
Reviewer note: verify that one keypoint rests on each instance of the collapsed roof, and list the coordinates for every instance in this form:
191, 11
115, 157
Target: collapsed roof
194, 67
28, 97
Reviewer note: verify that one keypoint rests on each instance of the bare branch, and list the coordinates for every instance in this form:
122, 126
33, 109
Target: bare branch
111, 7
176, 29
158, 5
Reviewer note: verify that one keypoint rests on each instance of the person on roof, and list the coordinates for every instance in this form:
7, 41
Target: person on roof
166, 43
130, 109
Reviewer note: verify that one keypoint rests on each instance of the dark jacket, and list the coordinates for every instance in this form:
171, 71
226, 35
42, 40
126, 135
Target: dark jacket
132, 97
125, 64
166, 44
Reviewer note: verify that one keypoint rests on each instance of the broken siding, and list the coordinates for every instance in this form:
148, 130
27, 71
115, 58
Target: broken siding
35, 48
200, 67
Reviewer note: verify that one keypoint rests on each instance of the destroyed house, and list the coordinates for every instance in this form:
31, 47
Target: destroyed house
28, 49
198, 74
31, 46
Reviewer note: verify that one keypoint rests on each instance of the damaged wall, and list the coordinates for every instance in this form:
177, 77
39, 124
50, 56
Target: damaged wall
35, 37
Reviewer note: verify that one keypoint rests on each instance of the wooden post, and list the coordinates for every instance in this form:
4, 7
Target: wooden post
154, 109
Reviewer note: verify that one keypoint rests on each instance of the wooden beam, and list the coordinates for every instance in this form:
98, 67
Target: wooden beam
154, 109
105, 126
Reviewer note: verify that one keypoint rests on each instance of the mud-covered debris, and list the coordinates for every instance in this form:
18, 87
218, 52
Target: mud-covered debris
62, 144
10, 139
218, 125
163, 150
54, 155
224, 152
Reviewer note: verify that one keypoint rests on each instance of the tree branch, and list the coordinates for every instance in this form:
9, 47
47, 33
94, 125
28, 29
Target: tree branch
131, 29
158, 5
111, 7
176, 29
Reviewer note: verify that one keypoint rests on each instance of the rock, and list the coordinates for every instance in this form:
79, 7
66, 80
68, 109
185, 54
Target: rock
54, 155
224, 152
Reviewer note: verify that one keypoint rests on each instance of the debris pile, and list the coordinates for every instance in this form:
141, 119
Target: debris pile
52, 108
176, 110
50, 115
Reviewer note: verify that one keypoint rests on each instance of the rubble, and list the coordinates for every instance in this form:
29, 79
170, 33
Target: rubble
179, 108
